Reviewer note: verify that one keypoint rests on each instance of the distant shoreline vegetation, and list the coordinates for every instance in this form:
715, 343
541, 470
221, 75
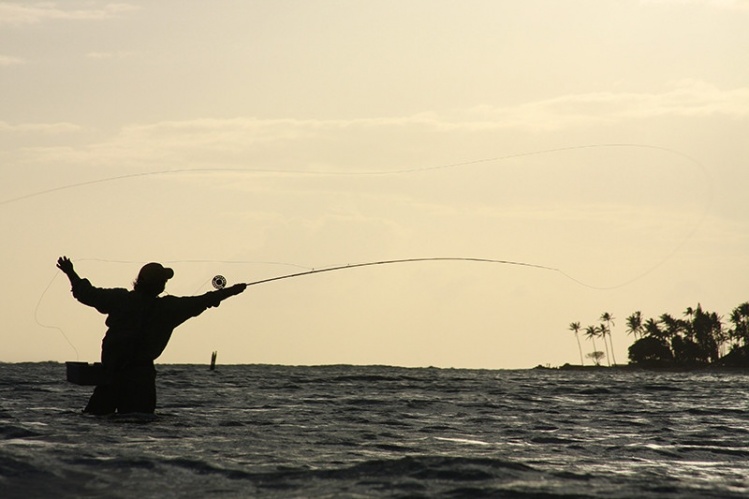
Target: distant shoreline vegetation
698, 339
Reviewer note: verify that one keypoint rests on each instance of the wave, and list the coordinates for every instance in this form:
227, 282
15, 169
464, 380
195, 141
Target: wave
374, 431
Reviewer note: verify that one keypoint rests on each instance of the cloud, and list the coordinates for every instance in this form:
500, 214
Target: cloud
687, 98
721, 4
22, 13
108, 55
6, 60
45, 128
302, 144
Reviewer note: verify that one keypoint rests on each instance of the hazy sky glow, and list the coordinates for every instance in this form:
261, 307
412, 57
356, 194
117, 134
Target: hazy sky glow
605, 138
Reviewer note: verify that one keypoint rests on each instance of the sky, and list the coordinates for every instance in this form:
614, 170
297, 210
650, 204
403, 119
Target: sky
603, 139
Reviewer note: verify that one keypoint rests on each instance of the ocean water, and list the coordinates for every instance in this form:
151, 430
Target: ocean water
350, 431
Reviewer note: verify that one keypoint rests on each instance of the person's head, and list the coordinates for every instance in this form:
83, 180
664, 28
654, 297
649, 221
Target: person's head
152, 279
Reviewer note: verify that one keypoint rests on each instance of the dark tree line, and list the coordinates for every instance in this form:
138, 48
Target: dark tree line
698, 338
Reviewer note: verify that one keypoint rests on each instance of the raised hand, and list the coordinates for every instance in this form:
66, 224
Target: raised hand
64, 264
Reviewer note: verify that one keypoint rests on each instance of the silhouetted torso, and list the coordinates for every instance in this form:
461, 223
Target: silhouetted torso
139, 328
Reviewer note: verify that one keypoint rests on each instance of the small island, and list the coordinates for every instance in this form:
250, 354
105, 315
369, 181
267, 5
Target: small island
699, 339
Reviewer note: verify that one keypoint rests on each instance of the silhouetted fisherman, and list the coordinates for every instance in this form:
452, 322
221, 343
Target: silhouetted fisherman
140, 324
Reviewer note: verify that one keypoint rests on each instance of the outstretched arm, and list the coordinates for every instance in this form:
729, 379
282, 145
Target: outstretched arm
178, 309
235, 289
103, 300
64, 264
223, 294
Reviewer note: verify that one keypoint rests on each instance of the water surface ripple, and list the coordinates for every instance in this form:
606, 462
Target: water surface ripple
349, 431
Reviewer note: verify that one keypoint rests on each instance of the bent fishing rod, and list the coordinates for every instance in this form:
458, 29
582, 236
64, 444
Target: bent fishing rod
220, 281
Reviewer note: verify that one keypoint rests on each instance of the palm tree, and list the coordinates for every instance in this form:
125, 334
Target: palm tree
720, 335
609, 320
591, 332
744, 310
652, 328
672, 325
740, 320
708, 334
603, 330
689, 313
634, 324
575, 328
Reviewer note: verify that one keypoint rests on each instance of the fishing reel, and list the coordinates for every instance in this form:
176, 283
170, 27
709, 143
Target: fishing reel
219, 282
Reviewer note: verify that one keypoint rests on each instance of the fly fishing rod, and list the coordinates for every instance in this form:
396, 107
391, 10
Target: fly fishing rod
220, 281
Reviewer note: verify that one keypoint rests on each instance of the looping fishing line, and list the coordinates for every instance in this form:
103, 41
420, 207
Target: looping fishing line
47, 326
219, 281
403, 171
415, 170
